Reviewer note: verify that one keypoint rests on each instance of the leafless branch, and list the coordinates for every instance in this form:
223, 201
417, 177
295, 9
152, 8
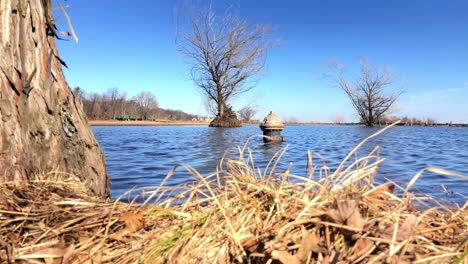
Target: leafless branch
70, 25
225, 54
247, 112
367, 94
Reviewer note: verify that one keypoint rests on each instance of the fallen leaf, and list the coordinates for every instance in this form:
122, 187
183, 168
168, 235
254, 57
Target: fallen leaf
284, 257
379, 191
347, 213
250, 244
407, 227
404, 232
362, 246
332, 258
68, 253
310, 243
132, 223
13, 237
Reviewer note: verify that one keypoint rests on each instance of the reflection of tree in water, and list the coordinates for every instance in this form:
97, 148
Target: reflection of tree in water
264, 153
213, 143
226, 142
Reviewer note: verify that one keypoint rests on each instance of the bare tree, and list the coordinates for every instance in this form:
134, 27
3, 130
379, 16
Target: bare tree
367, 94
121, 104
147, 103
224, 53
292, 120
114, 96
430, 121
93, 106
247, 112
78, 93
337, 118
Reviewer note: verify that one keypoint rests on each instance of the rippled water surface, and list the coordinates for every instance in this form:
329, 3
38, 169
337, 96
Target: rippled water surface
142, 156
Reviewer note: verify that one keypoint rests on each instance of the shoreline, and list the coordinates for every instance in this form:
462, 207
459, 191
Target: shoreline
206, 123
145, 123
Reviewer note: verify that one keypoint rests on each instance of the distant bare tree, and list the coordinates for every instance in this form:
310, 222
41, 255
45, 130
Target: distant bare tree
114, 96
247, 112
147, 102
224, 54
292, 120
430, 121
121, 104
93, 106
337, 118
367, 93
78, 93
389, 119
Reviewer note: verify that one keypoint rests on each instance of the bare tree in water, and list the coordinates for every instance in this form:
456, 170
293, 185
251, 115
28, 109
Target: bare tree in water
224, 53
368, 94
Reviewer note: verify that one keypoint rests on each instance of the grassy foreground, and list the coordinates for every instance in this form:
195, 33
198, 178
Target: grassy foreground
240, 214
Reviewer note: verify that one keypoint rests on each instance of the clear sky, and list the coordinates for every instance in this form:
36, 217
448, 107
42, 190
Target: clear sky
131, 45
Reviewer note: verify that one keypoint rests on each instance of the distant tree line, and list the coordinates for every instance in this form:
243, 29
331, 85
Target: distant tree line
115, 104
412, 121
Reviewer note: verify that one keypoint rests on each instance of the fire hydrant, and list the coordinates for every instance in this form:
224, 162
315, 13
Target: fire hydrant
272, 127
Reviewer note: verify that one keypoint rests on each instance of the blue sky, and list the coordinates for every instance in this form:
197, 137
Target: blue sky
131, 45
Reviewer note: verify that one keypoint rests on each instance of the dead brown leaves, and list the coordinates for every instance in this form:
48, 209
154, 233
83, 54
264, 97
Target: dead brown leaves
309, 244
133, 223
382, 191
347, 213
304, 224
38, 225
251, 244
403, 232
362, 248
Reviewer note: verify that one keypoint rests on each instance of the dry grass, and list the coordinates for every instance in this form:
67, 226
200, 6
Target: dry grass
240, 214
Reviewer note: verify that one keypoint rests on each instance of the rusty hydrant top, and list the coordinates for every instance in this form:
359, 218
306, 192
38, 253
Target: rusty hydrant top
271, 122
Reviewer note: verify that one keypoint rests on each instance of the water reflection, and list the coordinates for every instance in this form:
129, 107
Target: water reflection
142, 156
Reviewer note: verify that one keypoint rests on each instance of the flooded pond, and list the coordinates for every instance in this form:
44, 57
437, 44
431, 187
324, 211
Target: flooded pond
140, 156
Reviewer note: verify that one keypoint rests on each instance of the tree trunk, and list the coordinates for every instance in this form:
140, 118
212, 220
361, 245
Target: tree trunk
221, 107
225, 118
42, 127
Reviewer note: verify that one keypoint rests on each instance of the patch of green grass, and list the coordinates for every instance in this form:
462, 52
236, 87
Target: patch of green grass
165, 245
462, 257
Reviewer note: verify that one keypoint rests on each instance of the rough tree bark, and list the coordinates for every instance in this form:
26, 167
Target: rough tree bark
42, 126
